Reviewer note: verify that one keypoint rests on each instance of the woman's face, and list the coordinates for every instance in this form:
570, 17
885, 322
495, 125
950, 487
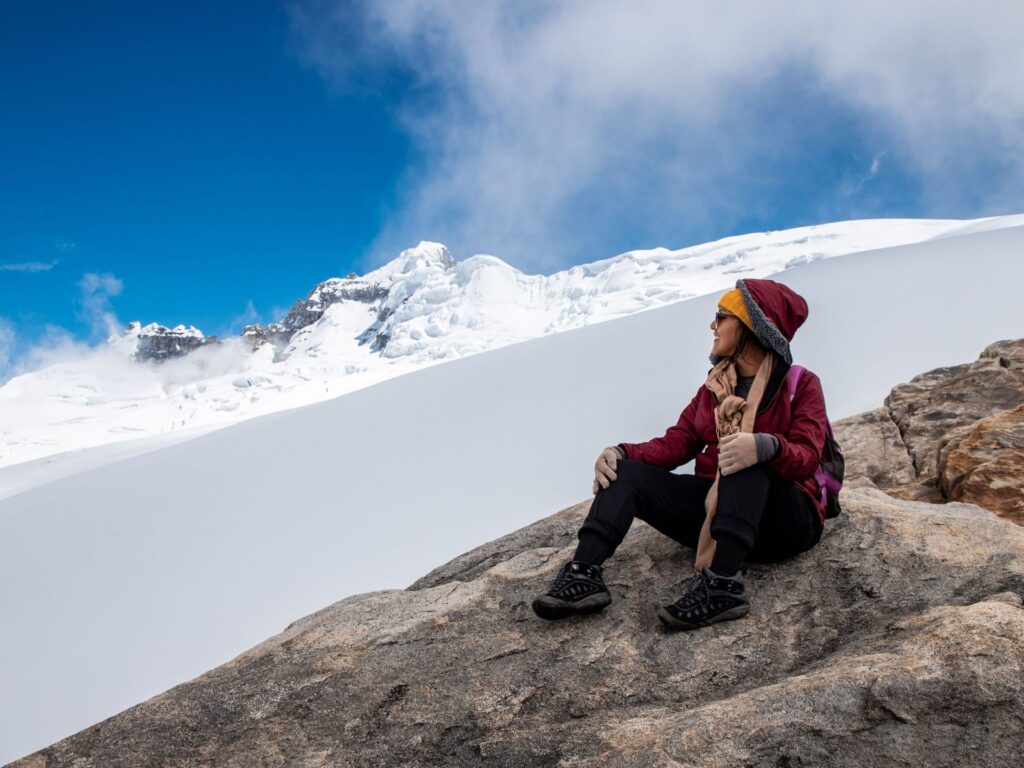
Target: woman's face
727, 332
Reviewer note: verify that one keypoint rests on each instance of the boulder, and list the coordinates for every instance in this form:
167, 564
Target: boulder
934, 403
914, 446
874, 450
982, 463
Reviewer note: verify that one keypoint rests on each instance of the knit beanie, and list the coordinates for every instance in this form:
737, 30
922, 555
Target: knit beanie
732, 301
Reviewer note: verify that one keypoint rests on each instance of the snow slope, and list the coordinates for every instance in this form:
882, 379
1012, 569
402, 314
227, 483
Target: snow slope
128, 578
435, 310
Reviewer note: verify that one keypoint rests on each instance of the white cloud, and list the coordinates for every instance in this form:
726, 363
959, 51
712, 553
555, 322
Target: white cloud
96, 310
54, 345
28, 266
532, 118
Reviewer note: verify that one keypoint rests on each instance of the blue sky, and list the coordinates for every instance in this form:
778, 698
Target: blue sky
207, 163
182, 148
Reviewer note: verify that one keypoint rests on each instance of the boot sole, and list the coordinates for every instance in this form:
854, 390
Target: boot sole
551, 609
671, 622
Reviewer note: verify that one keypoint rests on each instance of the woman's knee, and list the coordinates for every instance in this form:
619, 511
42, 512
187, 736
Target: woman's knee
629, 472
756, 475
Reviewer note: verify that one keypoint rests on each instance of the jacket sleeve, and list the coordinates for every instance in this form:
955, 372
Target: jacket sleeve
803, 442
676, 447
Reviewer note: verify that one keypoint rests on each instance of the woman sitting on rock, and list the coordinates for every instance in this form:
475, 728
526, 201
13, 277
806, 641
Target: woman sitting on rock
752, 496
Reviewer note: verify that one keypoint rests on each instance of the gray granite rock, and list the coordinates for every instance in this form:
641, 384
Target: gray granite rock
874, 449
895, 641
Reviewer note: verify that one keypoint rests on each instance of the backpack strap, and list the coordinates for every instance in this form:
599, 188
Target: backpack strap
794, 380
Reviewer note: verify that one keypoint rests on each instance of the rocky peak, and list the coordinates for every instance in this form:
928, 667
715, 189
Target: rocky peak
894, 641
155, 342
384, 289
306, 312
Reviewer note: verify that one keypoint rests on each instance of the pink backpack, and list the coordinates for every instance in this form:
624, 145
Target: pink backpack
829, 474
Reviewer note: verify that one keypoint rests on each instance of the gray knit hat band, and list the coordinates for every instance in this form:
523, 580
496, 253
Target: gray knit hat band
765, 331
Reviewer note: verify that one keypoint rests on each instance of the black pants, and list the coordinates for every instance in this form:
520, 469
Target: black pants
767, 513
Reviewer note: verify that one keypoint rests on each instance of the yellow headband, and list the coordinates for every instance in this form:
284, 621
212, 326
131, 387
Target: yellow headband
732, 301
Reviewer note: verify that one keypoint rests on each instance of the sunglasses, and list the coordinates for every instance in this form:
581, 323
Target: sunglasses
719, 316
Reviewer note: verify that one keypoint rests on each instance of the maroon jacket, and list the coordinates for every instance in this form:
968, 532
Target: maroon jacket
776, 313
801, 432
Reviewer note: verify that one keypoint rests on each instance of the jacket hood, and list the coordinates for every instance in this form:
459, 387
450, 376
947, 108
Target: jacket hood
776, 312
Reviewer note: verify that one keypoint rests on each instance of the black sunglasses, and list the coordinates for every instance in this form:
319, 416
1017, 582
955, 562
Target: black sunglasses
719, 316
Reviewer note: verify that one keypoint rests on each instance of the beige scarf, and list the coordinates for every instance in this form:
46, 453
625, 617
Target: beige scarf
733, 414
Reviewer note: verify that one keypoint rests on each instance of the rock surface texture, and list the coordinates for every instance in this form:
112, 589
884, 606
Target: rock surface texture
894, 642
954, 433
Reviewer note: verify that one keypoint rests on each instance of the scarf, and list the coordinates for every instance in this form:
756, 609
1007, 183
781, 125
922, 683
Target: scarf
732, 414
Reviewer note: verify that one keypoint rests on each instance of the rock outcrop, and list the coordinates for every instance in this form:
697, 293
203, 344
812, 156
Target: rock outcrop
954, 433
895, 641
984, 462
157, 343
382, 291
306, 312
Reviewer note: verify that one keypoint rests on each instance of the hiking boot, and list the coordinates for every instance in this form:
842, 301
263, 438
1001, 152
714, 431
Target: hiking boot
577, 589
708, 598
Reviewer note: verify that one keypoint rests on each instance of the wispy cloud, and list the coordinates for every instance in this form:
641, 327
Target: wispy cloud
549, 129
234, 326
28, 266
7, 344
96, 291
854, 185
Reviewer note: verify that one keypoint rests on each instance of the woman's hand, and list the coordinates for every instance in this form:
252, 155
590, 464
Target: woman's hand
604, 468
736, 451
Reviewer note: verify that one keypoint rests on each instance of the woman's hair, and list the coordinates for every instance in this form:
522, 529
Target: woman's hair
746, 337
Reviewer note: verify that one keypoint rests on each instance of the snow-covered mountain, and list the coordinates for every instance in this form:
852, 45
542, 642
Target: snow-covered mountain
420, 309
145, 570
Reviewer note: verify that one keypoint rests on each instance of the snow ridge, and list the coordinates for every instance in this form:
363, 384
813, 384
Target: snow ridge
420, 309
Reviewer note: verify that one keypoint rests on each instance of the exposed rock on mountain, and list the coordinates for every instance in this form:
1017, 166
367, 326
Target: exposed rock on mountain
952, 433
158, 342
382, 291
305, 313
896, 641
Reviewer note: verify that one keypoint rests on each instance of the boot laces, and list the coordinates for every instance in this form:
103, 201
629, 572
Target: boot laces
562, 578
570, 582
698, 592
